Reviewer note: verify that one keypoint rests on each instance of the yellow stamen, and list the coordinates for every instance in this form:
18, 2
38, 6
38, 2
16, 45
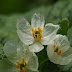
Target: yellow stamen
17, 66
54, 46
54, 49
19, 70
40, 31
18, 62
57, 47
31, 29
23, 69
21, 66
25, 64
23, 60
37, 33
59, 52
37, 37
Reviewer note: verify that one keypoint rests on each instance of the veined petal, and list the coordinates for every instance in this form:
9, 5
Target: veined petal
37, 19
13, 51
49, 29
62, 42
52, 55
66, 60
57, 59
36, 47
25, 38
28, 70
7, 66
48, 39
32, 63
23, 25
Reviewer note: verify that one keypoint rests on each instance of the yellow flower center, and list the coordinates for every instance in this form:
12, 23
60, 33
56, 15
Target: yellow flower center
56, 49
21, 66
37, 33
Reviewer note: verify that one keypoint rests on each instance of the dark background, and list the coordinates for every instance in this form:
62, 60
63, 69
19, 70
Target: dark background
21, 6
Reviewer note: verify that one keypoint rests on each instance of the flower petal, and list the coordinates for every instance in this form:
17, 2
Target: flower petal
25, 38
13, 51
52, 55
23, 25
49, 29
66, 60
37, 19
28, 70
6, 66
48, 39
57, 59
36, 47
32, 63
63, 42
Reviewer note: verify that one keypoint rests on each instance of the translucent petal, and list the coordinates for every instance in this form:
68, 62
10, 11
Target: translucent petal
66, 60
37, 19
32, 63
7, 66
49, 29
63, 42
13, 51
25, 38
23, 25
48, 39
28, 70
52, 55
57, 59
36, 47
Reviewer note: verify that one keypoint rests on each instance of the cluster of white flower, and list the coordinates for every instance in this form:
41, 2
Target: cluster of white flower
33, 37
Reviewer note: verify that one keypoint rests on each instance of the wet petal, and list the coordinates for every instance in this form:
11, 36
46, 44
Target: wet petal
48, 39
32, 63
57, 59
37, 19
23, 25
13, 51
53, 57
36, 47
63, 42
25, 38
7, 66
49, 29
28, 70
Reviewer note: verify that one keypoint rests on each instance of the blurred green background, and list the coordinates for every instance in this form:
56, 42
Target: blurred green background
21, 6
53, 10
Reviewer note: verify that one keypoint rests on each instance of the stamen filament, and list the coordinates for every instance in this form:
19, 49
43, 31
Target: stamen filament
19, 70
23, 69
23, 60
37, 33
59, 52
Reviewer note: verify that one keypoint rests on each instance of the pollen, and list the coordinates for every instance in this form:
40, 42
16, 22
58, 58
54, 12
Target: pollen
37, 33
21, 66
56, 49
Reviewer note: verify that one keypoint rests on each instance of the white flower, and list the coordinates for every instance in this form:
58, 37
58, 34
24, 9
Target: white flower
57, 50
19, 58
36, 35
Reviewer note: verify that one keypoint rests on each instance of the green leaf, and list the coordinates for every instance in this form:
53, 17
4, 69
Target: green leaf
48, 66
63, 27
69, 35
42, 55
